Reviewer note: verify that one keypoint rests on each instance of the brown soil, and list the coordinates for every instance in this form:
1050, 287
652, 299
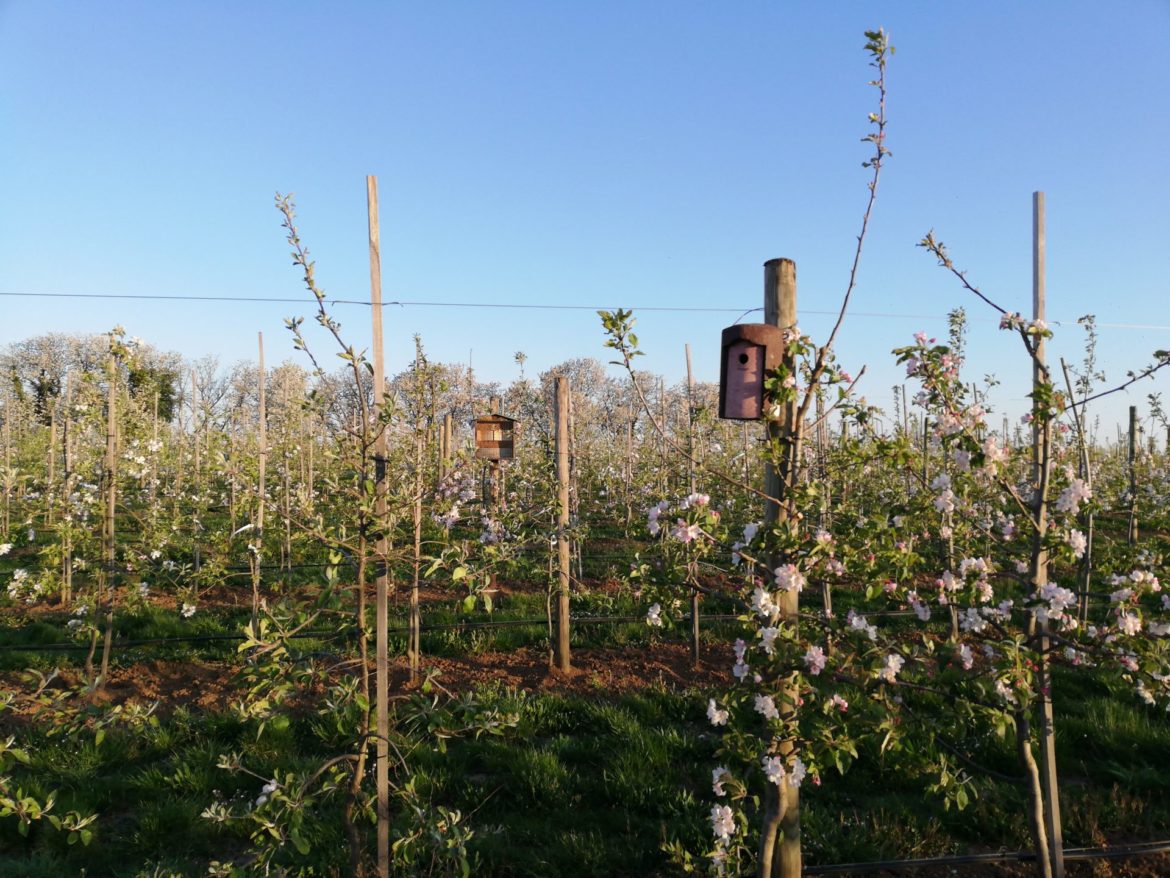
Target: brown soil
610, 671
209, 686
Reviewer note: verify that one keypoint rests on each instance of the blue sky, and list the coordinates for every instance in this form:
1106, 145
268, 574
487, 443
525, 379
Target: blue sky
601, 154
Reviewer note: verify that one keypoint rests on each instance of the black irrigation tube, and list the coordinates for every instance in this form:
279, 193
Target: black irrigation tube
446, 626
1106, 853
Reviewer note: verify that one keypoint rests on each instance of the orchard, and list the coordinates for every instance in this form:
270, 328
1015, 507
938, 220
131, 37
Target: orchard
306, 620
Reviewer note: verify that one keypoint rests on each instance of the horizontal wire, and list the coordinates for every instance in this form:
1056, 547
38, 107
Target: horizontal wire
537, 307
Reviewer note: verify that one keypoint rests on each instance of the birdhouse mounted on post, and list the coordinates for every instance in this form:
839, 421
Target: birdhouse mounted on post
494, 437
750, 352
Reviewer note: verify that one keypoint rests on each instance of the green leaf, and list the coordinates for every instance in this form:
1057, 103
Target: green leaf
301, 845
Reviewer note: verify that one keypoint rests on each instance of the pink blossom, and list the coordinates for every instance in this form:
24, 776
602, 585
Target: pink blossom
815, 660
788, 578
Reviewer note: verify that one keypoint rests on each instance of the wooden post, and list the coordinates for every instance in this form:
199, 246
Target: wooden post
925, 452
445, 447
155, 455
416, 522
109, 480
562, 455
231, 466
691, 489
1131, 535
663, 460
195, 425
285, 477
52, 464
67, 492
7, 467
1041, 444
382, 631
254, 557
493, 485
780, 855
628, 469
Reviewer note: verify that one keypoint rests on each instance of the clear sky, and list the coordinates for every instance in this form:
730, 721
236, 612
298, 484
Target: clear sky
587, 154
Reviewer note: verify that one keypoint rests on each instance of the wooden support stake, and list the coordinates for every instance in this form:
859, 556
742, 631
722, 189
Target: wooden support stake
110, 483
691, 489
562, 455
7, 467
1131, 535
780, 854
382, 607
1041, 452
262, 486
67, 492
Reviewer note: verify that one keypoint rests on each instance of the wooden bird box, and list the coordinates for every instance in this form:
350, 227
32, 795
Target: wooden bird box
494, 437
750, 352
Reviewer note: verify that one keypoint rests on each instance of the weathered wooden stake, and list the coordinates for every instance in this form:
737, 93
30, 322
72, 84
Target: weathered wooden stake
7, 467
109, 480
780, 855
1131, 534
691, 489
67, 492
564, 662
382, 631
1041, 448
254, 557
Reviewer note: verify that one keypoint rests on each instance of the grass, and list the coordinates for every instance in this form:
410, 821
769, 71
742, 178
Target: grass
581, 785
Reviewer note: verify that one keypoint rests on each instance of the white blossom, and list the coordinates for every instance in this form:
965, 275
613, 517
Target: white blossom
718, 777
766, 707
722, 822
889, 671
773, 769
716, 715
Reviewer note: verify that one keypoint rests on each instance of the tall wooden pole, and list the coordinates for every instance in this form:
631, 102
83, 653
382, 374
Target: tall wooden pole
1041, 449
562, 455
445, 447
67, 493
254, 557
195, 424
7, 467
780, 855
109, 477
382, 632
691, 489
1131, 535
